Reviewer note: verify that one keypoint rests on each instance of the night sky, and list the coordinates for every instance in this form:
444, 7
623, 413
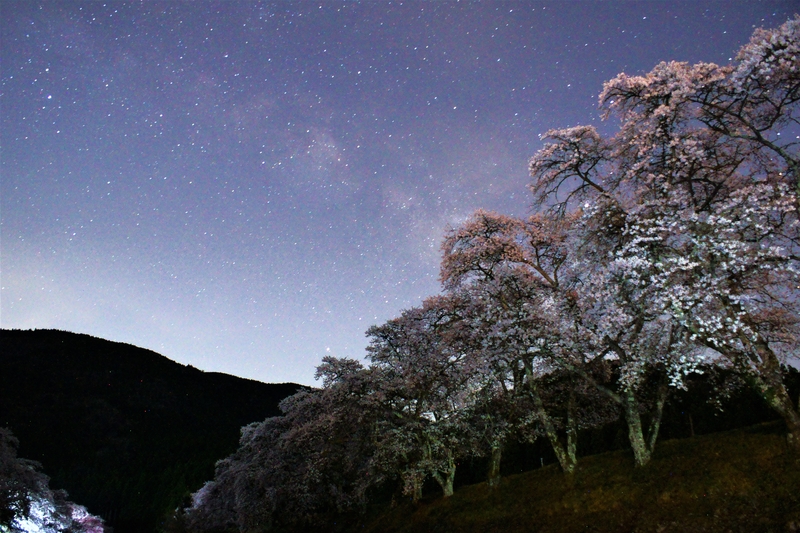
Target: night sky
246, 187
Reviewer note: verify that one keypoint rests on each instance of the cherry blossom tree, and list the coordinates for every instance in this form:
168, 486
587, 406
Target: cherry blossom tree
426, 384
671, 244
527, 320
301, 469
243, 496
28, 504
689, 213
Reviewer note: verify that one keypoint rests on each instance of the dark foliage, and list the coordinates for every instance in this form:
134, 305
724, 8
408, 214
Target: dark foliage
124, 430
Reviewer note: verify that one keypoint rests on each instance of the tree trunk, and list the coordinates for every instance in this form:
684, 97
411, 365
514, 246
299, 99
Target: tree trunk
565, 455
416, 496
641, 455
643, 450
792, 420
445, 478
768, 380
655, 423
777, 397
572, 430
630, 406
413, 486
494, 466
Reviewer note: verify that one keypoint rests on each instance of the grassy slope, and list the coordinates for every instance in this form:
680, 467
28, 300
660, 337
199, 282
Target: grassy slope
743, 480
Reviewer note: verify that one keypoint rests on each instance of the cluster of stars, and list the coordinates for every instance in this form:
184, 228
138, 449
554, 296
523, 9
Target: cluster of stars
247, 188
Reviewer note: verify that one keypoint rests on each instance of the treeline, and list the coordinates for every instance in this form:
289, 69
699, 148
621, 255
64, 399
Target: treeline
667, 249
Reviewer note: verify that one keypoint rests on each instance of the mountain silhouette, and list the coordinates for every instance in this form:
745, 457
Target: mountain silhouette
125, 431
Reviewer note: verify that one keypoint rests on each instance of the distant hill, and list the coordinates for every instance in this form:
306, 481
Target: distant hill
127, 432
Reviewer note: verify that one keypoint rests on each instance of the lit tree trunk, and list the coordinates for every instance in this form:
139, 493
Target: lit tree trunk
778, 399
767, 381
641, 454
445, 478
416, 495
565, 455
494, 465
572, 430
643, 449
769, 384
655, 424
412, 485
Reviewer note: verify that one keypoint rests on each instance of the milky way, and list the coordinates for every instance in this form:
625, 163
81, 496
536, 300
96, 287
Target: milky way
247, 187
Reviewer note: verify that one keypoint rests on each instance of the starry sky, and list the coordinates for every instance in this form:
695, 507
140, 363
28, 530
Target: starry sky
246, 187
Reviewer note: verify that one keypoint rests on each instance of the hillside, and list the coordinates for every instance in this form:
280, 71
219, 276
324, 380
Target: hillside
127, 432
743, 480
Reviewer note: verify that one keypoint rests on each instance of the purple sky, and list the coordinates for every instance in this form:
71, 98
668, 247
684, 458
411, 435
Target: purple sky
246, 186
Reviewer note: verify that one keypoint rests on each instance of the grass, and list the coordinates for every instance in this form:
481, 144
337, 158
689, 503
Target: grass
745, 480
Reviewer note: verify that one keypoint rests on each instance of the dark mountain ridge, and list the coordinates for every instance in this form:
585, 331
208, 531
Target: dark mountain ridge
127, 432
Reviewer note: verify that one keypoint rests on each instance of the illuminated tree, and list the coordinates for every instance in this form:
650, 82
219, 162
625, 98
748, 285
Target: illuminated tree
298, 470
674, 242
28, 504
688, 230
426, 388
526, 320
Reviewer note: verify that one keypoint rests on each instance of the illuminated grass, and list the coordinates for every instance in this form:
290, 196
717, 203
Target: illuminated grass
744, 480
